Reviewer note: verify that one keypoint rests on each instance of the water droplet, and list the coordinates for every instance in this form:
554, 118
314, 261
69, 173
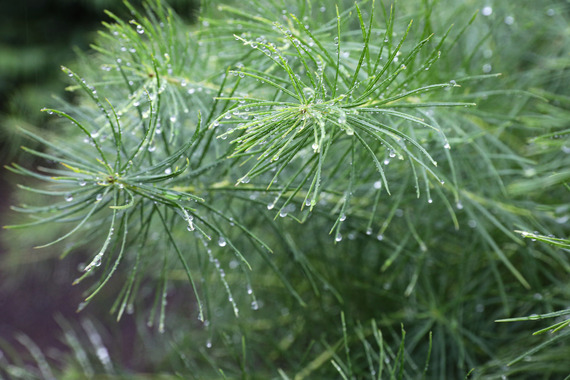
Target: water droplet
254, 305
82, 306
447, 146
392, 154
152, 148
369, 231
82, 183
167, 171
509, 20
98, 197
380, 237
472, 223
550, 12
342, 217
338, 237
222, 242
487, 68
283, 213
68, 198
315, 147
459, 205
209, 344
430, 200
386, 161
487, 11
173, 119
140, 29
377, 185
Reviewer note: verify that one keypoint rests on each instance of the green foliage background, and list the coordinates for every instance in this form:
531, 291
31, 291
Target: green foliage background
297, 190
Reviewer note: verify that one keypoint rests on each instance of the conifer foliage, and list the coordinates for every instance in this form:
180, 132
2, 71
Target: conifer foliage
309, 189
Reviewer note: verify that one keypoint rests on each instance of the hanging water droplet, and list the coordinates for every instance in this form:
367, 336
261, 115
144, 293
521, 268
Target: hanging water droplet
386, 161
315, 147
459, 205
222, 242
152, 148
380, 237
82, 183
369, 231
342, 217
68, 198
447, 146
509, 20
430, 200
173, 119
254, 305
270, 206
283, 213
209, 344
249, 289
140, 29
487, 11
167, 171
98, 197
338, 237
487, 68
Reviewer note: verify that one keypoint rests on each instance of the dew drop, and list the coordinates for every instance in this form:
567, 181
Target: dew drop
254, 305
487, 68
98, 197
140, 29
377, 185
283, 213
82, 183
167, 171
369, 231
209, 344
315, 147
222, 242
509, 20
487, 11
430, 200
342, 217
447, 146
459, 205
173, 119
380, 237
338, 237
68, 198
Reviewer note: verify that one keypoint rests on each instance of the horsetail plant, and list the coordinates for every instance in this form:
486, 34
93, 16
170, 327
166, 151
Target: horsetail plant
334, 189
